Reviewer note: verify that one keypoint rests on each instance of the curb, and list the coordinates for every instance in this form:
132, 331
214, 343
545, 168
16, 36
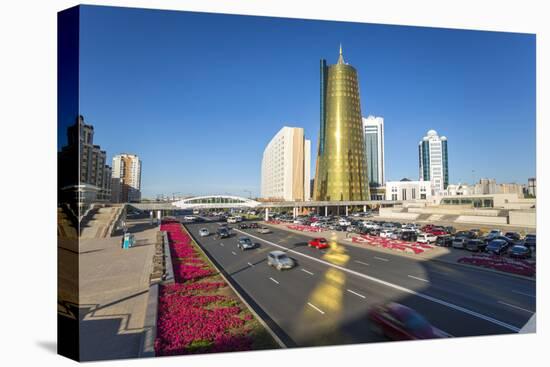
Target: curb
147, 348
222, 274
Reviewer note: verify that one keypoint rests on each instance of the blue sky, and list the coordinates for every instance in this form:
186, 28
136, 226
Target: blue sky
198, 96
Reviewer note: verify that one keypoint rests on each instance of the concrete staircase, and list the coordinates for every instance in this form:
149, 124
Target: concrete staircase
100, 222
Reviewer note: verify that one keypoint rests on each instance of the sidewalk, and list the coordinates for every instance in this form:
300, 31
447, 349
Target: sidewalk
114, 290
443, 254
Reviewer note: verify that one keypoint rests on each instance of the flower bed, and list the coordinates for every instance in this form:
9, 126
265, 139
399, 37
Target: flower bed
196, 314
298, 227
397, 245
507, 265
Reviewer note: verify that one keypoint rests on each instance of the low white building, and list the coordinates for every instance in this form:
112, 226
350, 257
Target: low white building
408, 190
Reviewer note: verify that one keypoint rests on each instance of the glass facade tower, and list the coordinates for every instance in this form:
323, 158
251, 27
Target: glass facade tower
341, 169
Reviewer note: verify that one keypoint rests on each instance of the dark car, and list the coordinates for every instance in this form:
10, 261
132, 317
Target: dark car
467, 234
410, 236
476, 245
449, 229
399, 322
519, 252
444, 241
253, 225
513, 235
497, 247
223, 232
243, 226
530, 241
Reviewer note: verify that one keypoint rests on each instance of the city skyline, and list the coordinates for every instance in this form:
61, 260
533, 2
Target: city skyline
459, 82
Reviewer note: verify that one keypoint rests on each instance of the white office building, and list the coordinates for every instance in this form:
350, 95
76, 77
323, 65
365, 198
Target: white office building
406, 190
126, 178
433, 161
286, 166
373, 128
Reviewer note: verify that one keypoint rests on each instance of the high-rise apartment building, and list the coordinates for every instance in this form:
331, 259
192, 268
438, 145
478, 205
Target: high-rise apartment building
126, 178
286, 166
95, 174
433, 161
341, 169
373, 128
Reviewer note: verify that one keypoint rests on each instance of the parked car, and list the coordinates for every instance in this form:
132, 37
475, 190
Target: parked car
519, 252
223, 232
263, 230
344, 222
203, 232
245, 243
243, 226
497, 247
460, 242
231, 220
319, 242
426, 238
530, 241
386, 233
476, 232
444, 241
449, 229
410, 236
513, 235
468, 234
476, 245
280, 260
253, 225
398, 322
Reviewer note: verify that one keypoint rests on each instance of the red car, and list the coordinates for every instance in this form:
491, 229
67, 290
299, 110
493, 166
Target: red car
319, 243
399, 322
437, 232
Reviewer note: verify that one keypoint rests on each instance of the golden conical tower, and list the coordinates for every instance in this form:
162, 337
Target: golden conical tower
341, 169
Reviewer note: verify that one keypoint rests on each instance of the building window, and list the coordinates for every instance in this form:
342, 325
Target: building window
404, 194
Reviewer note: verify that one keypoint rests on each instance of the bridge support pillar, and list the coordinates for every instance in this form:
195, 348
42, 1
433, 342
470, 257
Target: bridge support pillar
326, 211
266, 214
151, 216
159, 216
364, 208
346, 210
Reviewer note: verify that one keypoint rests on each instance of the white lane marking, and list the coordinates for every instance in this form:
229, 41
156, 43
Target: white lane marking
306, 271
250, 264
233, 252
316, 308
357, 294
360, 262
274, 280
417, 278
395, 286
519, 308
381, 258
524, 294
221, 244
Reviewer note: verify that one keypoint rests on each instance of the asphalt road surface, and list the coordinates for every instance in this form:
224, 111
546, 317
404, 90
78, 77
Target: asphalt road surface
325, 299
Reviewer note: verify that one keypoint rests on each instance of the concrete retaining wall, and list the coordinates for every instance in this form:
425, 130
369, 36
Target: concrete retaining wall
482, 219
523, 218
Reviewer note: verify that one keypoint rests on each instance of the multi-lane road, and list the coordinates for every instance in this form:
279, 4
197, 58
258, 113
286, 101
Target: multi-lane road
326, 298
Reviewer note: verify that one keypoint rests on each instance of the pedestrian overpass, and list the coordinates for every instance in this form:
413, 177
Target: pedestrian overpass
237, 202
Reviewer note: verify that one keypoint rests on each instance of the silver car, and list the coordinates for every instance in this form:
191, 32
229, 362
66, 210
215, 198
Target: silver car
280, 260
245, 243
263, 230
203, 232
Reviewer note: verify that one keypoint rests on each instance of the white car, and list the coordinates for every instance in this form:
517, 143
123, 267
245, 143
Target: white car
319, 223
371, 225
204, 232
189, 217
426, 238
344, 222
231, 220
386, 233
